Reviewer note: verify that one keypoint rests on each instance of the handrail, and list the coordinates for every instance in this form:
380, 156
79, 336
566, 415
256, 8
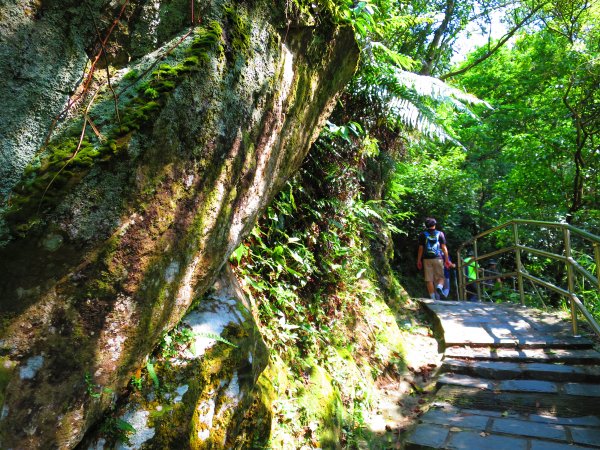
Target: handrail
572, 266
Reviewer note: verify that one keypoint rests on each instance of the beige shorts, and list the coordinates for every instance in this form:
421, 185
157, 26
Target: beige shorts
434, 269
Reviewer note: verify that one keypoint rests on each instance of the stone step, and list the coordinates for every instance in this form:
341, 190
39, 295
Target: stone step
524, 402
513, 379
499, 370
454, 428
502, 325
480, 337
574, 356
523, 386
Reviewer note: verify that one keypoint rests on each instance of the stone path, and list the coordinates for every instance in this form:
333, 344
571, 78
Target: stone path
513, 378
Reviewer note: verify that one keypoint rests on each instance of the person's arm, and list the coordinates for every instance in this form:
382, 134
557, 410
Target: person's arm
447, 262
419, 256
442, 241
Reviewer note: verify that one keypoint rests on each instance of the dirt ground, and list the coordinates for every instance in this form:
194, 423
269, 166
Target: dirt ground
404, 393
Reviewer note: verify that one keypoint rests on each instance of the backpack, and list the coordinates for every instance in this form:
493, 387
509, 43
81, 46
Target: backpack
432, 245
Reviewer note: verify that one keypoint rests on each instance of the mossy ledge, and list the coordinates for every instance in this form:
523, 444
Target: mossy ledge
69, 157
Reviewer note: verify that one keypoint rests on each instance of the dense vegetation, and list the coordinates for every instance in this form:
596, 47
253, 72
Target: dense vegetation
524, 145
509, 132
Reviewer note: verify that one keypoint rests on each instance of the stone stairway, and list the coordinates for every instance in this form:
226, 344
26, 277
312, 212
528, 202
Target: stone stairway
512, 378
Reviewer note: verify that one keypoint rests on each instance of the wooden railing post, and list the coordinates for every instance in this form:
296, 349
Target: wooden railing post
597, 258
570, 279
574, 268
462, 289
518, 262
477, 268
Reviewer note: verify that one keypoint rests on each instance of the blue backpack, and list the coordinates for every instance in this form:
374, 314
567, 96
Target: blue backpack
432, 245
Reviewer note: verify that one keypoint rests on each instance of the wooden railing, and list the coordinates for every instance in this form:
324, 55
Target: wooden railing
573, 267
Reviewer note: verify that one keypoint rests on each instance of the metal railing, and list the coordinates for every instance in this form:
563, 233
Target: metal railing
573, 268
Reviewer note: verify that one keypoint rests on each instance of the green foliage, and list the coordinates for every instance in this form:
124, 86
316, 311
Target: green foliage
115, 429
239, 29
92, 389
216, 337
182, 337
152, 374
307, 263
176, 341
136, 383
131, 75
535, 151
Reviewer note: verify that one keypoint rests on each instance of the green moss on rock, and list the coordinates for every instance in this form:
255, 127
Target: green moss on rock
66, 160
239, 29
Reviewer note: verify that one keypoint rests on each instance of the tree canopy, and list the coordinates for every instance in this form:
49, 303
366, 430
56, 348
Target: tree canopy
508, 131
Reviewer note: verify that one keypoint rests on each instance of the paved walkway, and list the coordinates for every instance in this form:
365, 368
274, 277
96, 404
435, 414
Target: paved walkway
513, 378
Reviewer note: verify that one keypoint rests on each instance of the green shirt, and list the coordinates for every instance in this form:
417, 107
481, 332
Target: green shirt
471, 268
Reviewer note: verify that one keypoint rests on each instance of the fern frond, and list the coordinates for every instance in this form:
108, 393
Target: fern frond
409, 99
216, 337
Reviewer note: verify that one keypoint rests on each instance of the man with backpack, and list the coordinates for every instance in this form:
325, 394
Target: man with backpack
433, 257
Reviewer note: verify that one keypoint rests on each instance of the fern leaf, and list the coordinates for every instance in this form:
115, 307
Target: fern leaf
215, 336
152, 374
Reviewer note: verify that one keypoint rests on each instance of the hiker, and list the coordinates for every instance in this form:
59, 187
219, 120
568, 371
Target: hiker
492, 270
470, 268
433, 257
491, 285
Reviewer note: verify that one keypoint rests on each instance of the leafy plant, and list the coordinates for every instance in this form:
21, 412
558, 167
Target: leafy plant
117, 430
136, 382
216, 337
94, 390
152, 374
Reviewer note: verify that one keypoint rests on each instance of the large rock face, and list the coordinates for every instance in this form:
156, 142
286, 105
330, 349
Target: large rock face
119, 214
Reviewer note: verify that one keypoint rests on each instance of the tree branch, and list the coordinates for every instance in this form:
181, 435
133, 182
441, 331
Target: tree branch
495, 48
437, 37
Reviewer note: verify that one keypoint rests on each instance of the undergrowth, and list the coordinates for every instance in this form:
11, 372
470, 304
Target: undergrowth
307, 266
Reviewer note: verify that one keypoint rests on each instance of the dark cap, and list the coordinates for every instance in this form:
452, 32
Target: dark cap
430, 222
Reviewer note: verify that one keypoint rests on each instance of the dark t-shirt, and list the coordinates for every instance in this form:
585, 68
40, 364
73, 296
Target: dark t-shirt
441, 240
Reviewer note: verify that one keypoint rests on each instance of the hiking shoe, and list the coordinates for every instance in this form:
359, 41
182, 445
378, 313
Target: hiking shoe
440, 292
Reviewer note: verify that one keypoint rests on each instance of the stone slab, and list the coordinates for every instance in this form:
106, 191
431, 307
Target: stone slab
529, 429
526, 397
464, 380
505, 402
471, 440
489, 369
502, 370
586, 421
561, 372
427, 436
528, 386
586, 436
576, 356
456, 419
545, 445
582, 389
503, 325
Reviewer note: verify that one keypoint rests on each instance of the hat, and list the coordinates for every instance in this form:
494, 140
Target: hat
492, 262
430, 222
